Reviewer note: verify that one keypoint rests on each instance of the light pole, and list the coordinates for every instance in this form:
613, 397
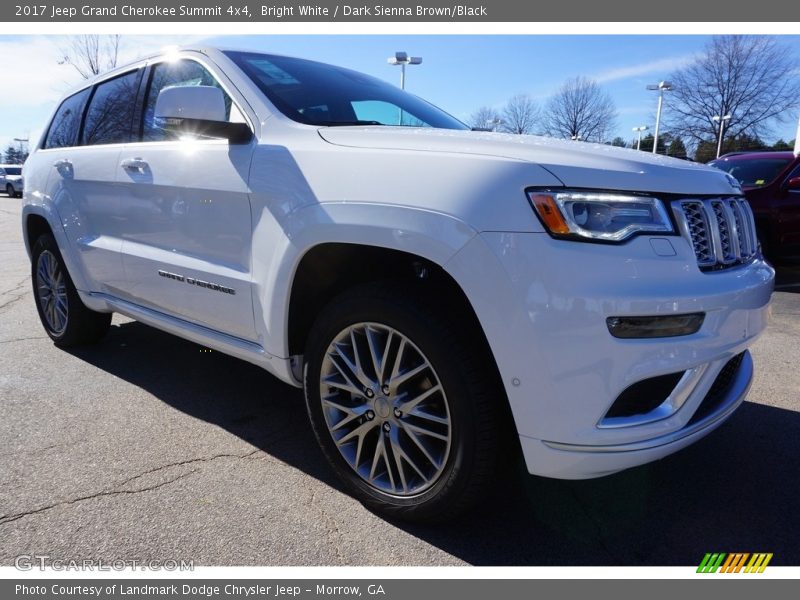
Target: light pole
639, 130
661, 87
403, 59
797, 140
721, 120
22, 141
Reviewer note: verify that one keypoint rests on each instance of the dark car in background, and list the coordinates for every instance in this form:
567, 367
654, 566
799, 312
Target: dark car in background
771, 183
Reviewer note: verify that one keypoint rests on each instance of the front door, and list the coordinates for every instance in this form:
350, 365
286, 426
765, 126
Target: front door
186, 216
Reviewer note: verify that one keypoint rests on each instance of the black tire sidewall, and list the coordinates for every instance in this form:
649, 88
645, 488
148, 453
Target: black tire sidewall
46, 242
429, 336
83, 325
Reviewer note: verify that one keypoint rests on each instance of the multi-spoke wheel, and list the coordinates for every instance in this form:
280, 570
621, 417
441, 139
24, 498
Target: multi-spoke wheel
52, 292
400, 403
385, 409
65, 318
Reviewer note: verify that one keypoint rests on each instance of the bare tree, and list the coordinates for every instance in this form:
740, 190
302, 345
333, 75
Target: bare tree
751, 78
580, 110
520, 115
485, 118
91, 54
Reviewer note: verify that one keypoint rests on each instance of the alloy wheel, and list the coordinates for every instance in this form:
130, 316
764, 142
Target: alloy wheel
385, 409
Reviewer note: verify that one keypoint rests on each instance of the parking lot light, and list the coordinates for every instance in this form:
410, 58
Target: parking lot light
402, 59
639, 130
721, 120
661, 87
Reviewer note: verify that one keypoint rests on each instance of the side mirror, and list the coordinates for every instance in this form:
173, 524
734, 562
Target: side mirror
793, 184
198, 110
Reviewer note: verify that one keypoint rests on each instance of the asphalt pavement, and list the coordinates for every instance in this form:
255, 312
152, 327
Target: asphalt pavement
148, 447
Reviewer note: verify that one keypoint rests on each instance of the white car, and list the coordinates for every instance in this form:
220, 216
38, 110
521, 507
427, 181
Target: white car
446, 297
11, 180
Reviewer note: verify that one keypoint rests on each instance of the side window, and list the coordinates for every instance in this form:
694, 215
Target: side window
67, 121
110, 114
178, 73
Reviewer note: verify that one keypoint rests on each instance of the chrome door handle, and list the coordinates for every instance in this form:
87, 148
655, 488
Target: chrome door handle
134, 164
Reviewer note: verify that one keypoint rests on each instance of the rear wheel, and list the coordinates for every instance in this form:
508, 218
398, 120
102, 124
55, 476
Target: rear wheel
65, 318
404, 408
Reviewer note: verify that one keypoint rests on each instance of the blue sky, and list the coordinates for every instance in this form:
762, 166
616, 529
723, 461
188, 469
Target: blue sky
459, 73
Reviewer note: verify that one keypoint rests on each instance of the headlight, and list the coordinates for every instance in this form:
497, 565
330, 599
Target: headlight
602, 216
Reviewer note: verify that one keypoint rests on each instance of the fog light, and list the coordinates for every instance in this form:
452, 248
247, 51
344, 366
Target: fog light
655, 326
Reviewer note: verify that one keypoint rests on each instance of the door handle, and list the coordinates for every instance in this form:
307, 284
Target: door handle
134, 164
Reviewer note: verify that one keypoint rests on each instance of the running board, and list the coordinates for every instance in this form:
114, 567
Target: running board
227, 344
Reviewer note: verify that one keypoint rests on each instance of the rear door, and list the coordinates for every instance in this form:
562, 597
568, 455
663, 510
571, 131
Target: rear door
82, 148
185, 214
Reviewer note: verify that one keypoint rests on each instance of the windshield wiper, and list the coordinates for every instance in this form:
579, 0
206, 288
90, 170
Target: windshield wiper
344, 123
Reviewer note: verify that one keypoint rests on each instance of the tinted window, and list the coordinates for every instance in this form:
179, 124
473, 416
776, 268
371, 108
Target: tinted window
320, 94
65, 125
13, 170
753, 172
110, 113
179, 73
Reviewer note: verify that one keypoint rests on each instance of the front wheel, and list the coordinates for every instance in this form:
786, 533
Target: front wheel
65, 318
10, 190
405, 409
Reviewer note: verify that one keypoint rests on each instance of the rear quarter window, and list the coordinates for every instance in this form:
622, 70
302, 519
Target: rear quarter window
66, 123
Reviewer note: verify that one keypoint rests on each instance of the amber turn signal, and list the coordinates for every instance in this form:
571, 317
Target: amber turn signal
548, 211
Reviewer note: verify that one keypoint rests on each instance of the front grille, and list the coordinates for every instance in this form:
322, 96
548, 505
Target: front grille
722, 231
716, 394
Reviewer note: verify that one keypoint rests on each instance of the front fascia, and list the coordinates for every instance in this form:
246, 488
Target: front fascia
543, 305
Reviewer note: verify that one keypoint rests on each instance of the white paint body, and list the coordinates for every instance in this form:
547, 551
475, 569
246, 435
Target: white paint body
243, 216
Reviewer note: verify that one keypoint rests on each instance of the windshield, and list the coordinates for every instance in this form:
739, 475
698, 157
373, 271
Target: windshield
13, 170
753, 172
319, 94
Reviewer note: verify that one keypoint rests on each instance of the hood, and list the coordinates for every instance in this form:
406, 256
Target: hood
576, 164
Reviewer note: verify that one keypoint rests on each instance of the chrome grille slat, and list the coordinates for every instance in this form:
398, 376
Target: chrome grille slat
721, 230
733, 227
751, 227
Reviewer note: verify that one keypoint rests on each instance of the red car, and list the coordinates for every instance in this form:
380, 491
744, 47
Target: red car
771, 183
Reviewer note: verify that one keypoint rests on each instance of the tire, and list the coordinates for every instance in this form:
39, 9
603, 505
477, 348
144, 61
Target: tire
65, 318
457, 424
10, 190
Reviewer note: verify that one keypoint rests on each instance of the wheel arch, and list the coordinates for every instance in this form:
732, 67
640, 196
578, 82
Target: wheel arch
326, 270
38, 219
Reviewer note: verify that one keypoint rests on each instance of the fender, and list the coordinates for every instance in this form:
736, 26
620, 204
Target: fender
49, 213
277, 251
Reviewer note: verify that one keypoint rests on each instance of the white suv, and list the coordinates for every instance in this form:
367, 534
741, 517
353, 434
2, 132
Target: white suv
11, 180
438, 292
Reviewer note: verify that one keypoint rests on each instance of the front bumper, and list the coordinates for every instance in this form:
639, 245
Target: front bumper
543, 305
